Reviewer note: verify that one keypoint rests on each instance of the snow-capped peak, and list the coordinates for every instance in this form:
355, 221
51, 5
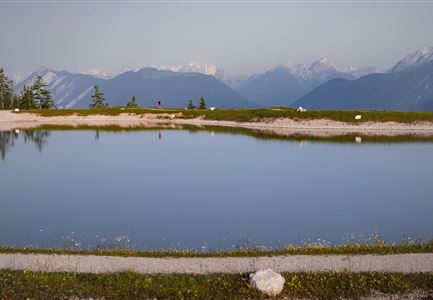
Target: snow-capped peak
48, 76
195, 67
316, 69
200, 68
413, 59
322, 64
99, 73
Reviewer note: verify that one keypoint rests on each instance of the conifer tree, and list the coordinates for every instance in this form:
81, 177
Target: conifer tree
25, 100
7, 96
41, 95
132, 103
47, 100
191, 105
98, 99
202, 104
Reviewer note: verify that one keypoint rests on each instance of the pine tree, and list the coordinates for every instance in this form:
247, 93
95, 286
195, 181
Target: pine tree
7, 96
25, 100
191, 105
202, 104
98, 99
36, 88
41, 96
47, 100
132, 103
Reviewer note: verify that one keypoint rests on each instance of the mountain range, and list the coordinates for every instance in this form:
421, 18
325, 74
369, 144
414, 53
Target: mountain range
317, 85
285, 84
408, 86
149, 85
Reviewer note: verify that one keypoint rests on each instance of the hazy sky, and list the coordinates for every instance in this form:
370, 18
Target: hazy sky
239, 37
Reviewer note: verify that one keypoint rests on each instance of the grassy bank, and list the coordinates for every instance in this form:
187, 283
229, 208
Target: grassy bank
251, 115
380, 248
332, 285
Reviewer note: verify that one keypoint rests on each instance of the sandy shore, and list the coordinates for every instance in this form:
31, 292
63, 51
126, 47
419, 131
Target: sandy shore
322, 127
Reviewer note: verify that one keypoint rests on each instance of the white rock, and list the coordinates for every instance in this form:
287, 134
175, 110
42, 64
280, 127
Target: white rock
172, 117
212, 108
358, 117
268, 282
17, 109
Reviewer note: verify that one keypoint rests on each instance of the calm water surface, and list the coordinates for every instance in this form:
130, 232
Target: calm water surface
174, 188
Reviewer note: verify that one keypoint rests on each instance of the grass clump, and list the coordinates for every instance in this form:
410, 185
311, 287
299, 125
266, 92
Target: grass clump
380, 248
332, 285
336, 285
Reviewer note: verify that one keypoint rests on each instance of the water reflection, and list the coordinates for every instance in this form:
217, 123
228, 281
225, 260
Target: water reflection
7, 141
235, 188
9, 138
40, 137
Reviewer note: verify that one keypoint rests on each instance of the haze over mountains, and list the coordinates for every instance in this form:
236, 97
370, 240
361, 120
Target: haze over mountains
149, 85
285, 84
408, 86
317, 85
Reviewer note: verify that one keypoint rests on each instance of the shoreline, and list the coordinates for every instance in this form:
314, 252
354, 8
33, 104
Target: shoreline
282, 126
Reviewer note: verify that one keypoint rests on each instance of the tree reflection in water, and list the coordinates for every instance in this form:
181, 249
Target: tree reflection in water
8, 139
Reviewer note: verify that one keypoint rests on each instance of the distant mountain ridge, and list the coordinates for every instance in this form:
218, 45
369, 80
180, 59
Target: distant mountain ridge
149, 85
316, 85
285, 84
68, 89
417, 58
173, 88
408, 86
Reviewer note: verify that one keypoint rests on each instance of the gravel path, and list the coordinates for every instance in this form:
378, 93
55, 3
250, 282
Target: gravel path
401, 263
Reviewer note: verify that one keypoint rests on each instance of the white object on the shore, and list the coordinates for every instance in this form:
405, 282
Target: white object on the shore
172, 117
122, 108
212, 108
17, 131
301, 109
17, 109
358, 117
358, 139
268, 282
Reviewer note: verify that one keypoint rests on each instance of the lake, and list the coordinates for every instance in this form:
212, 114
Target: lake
207, 189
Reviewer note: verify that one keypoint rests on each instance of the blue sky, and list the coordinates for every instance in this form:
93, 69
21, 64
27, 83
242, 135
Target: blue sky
241, 38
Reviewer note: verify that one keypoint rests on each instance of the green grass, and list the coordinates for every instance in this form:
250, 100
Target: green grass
379, 247
249, 115
332, 285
